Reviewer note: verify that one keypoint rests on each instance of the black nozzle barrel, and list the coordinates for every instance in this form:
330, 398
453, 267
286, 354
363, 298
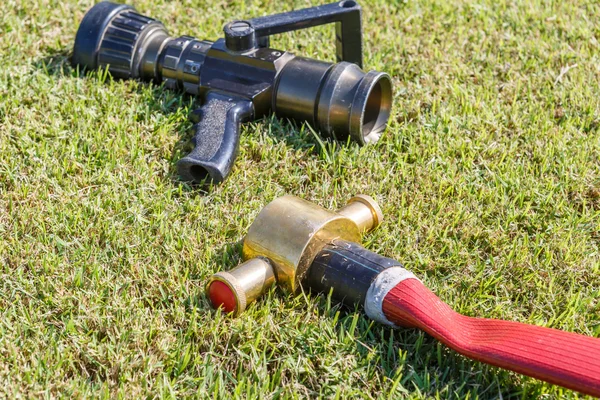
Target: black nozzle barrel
339, 99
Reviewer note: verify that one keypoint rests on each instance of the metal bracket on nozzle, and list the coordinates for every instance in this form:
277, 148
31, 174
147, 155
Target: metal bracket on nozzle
250, 34
282, 243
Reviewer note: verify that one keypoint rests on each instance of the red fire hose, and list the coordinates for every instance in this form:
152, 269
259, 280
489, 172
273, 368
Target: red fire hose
393, 295
558, 357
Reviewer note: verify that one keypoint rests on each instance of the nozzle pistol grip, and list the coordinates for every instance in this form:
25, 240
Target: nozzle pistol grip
216, 138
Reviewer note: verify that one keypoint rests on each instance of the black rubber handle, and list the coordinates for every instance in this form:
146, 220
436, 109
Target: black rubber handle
348, 269
216, 139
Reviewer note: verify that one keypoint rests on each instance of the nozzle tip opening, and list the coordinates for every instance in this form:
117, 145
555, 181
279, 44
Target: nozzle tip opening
224, 291
221, 296
371, 107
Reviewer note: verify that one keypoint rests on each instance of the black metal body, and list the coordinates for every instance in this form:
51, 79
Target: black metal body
240, 78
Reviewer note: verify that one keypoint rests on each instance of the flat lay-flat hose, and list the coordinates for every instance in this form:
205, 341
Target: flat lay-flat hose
564, 358
393, 295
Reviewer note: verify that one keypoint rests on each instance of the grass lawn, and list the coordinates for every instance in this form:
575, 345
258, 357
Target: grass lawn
489, 177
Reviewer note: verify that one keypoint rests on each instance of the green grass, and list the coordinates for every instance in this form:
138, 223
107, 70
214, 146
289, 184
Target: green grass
489, 177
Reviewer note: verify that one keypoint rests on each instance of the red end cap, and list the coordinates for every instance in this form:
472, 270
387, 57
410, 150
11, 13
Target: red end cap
222, 296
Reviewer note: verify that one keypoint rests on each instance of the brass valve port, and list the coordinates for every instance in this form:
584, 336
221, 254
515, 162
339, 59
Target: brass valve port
364, 211
235, 289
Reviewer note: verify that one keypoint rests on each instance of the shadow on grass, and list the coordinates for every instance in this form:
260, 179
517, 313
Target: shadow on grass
164, 101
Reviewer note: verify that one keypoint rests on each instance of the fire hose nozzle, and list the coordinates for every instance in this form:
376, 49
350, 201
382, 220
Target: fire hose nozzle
239, 78
282, 243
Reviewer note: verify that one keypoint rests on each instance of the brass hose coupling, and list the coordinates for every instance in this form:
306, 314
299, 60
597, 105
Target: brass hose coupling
301, 245
283, 242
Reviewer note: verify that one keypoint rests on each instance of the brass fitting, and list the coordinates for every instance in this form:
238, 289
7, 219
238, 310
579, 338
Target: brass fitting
283, 241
